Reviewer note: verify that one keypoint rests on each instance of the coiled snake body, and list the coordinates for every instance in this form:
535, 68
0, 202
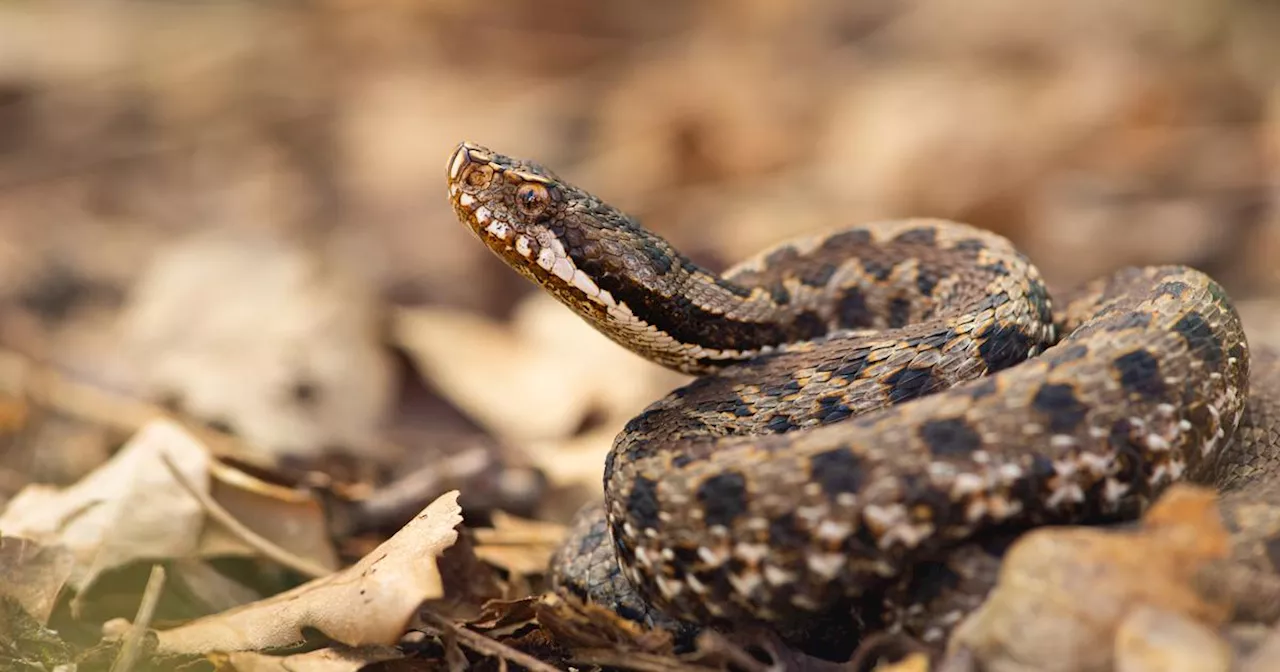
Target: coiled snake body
868, 399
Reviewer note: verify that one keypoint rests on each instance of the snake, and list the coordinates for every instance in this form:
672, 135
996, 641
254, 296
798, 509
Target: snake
866, 403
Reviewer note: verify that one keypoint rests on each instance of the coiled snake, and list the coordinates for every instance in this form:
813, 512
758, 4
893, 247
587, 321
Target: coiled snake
868, 399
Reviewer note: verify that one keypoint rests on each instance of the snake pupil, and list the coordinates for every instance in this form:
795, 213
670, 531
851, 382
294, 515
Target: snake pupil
531, 198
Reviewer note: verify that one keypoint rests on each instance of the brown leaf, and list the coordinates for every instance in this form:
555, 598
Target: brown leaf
518, 545
549, 362
366, 604
33, 574
286, 347
129, 509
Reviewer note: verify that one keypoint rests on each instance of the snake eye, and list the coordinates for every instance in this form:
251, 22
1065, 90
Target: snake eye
478, 175
532, 198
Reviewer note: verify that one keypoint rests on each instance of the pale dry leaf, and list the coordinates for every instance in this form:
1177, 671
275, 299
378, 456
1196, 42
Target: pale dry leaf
33, 574
332, 659
518, 545
129, 509
369, 603
536, 381
535, 378
286, 346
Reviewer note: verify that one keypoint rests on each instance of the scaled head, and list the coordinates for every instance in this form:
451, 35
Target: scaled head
500, 198
529, 218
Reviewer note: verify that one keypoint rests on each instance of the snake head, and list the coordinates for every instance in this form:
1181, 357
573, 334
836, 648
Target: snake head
553, 233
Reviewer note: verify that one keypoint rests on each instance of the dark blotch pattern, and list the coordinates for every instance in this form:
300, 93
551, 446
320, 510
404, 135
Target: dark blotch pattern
785, 533
1172, 288
927, 280
1003, 347
734, 288
816, 275
642, 502
780, 424
781, 256
778, 292
1140, 374
1199, 336
837, 471
845, 241
1130, 320
925, 235
852, 312
950, 437
723, 498
877, 269
832, 409
1059, 404
899, 312
910, 383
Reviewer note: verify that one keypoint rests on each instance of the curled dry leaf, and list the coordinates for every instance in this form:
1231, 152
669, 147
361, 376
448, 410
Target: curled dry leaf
129, 509
32, 574
1064, 593
369, 603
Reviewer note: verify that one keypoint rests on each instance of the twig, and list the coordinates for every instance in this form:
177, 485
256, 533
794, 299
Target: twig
484, 645
636, 661
128, 656
45, 386
248, 536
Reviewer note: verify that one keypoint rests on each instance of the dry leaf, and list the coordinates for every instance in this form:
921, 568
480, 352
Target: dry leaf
129, 509
291, 519
286, 348
368, 603
518, 545
33, 574
332, 659
1064, 592
536, 381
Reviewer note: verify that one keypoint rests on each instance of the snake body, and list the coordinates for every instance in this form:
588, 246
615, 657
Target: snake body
866, 400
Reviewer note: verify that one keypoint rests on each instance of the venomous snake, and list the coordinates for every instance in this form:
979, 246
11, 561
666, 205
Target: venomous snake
868, 401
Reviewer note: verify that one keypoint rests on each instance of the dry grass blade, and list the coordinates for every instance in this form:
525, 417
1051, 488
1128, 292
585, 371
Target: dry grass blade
268, 549
128, 656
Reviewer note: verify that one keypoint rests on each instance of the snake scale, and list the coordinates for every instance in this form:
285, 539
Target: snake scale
867, 401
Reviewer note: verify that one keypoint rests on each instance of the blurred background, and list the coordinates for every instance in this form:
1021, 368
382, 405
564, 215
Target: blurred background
238, 210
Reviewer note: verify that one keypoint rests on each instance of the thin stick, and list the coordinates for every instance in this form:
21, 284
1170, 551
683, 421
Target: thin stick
248, 536
484, 645
128, 656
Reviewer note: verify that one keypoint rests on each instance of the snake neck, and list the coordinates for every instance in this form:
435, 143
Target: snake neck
626, 281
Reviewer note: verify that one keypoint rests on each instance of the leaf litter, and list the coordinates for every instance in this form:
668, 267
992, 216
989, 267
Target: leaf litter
247, 277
